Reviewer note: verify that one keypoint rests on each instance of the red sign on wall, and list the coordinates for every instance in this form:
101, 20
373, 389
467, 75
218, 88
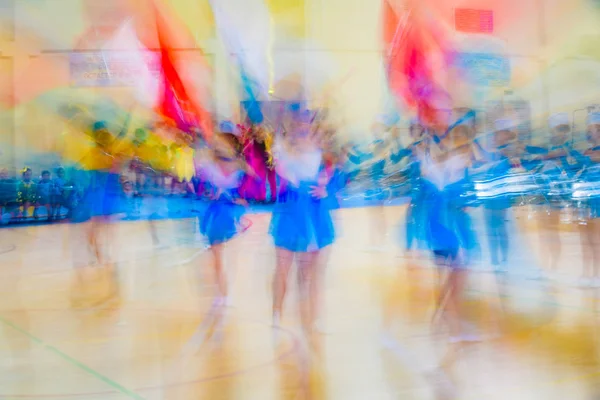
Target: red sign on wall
474, 21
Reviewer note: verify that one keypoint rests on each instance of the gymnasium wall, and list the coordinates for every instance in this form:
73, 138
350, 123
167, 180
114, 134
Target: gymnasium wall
334, 44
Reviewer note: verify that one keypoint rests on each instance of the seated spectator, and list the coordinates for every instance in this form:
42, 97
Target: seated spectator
27, 193
131, 204
58, 193
44, 194
7, 196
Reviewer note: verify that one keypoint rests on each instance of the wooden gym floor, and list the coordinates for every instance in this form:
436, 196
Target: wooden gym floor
541, 336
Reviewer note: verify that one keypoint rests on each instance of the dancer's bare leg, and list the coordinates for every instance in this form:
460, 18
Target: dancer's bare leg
216, 251
316, 284
454, 307
590, 238
453, 310
284, 259
80, 262
378, 227
586, 237
93, 233
550, 237
153, 233
307, 266
108, 231
595, 223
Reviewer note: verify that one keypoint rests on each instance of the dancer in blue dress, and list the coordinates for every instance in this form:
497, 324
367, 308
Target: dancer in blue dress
560, 162
497, 162
99, 173
301, 225
587, 190
414, 234
447, 191
221, 222
415, 228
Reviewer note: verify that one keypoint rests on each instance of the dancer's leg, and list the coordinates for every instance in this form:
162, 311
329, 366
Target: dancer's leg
283, 265
550, 238
492, 233
307, 266
216, 251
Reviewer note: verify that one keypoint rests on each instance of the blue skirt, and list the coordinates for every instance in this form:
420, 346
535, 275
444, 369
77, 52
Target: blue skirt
301, 223
103, 197
416, 223
594, 206
221, 221
449, 226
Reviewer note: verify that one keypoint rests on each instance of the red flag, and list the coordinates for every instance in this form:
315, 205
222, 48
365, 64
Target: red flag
412, 43
180, 101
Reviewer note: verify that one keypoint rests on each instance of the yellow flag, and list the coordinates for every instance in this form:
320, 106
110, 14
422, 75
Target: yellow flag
184, 163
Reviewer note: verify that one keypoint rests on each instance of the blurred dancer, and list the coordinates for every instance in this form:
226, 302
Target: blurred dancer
59, 193
102, 200
223, 167
497, 163
415, 224
446, 184
590, 230
560, 162
301, 226
45, 188
27, 193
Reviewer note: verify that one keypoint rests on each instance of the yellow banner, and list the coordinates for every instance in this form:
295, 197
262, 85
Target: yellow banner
289, 16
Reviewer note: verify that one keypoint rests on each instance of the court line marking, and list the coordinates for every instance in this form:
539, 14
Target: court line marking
8, 249
119, 388
576, 378
295, 347
233, 373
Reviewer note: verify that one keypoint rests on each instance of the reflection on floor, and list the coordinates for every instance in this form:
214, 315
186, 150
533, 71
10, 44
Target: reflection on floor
539, 337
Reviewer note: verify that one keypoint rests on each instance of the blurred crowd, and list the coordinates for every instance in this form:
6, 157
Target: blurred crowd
150, 165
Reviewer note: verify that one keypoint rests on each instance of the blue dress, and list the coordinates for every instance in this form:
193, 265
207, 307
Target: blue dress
301, 222
590, 178
556, 172
415, 226
106, 190
101, 195
495, 207
449, 226
221, 220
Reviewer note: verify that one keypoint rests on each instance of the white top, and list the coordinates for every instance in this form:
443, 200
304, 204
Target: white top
220, 179
445, 173
296, 168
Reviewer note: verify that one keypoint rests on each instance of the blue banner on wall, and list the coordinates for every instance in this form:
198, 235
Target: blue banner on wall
485, 69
